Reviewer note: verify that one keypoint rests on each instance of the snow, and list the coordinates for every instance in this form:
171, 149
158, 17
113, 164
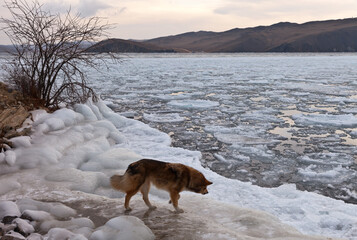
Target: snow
73, 224
8, 208
22, 141
15, 235
335, 175
37, 215
60, 233
24, 226
123, 227
193, 104
8, 185
344, 121
10, 158
57, 210
81, 156
169, 117
73, 161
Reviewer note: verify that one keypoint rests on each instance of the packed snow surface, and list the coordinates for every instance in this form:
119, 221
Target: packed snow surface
67, 161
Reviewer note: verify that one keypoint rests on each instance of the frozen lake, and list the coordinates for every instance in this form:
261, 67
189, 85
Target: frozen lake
264, 118
261, 119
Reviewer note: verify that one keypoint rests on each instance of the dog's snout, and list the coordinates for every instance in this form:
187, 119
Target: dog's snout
205, 192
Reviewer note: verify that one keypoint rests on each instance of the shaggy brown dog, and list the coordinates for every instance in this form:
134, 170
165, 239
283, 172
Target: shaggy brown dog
172, 177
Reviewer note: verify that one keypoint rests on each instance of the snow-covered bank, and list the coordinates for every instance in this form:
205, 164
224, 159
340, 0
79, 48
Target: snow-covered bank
71, 154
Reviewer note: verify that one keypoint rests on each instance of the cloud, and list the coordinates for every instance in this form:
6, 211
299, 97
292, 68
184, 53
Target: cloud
89, 8
122, 10
268, 11
85, 8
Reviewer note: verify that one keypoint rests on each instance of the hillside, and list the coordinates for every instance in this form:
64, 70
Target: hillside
127, 46
318, 36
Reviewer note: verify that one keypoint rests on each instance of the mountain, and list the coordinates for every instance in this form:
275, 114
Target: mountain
317, 36
126, 46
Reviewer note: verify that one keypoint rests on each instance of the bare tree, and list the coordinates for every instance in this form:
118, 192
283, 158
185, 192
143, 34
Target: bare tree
49, 50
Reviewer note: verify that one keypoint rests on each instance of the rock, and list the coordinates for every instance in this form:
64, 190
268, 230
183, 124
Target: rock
2, 229
13, 117
13, 236
8, 219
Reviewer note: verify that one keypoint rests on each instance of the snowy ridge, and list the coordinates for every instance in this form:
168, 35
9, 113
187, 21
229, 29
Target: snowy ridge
72, 153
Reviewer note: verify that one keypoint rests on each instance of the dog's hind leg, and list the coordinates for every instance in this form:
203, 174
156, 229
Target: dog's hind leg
145, 188
128, 197
174, 195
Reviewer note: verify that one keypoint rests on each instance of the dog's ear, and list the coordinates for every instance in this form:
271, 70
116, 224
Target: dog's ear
208, 182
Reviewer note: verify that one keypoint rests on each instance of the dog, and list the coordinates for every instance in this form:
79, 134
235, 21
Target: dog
172, 177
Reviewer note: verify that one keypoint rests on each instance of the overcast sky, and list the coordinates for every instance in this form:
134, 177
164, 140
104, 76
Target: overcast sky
145, 19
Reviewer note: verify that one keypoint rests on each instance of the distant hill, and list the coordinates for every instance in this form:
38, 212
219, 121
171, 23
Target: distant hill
6, 48
127, 46
318, 36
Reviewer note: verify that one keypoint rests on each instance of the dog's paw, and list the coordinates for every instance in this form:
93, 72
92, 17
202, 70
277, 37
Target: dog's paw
179, 210
128, 209
152, 207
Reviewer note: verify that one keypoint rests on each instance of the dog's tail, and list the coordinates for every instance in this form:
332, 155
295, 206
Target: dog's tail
121, 182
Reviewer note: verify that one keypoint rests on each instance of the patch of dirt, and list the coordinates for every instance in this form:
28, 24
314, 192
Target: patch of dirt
14, 110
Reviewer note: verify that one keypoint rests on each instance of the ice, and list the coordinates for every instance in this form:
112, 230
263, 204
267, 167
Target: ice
169, 117
261, 116
9, 208
9, 184
353, 134
335, 175
349, 110
81, 181
327, 159
179, 95
22, 141
344, 121
341, 100
71, 225
35, 156
86, 111
123, 227
14, 235
116, 158
63, 165
37, 215
63, 116
24, 226
193, 104
10, 158
57, 210
231, 138
60, 234
35, 236
2, 157
38, 114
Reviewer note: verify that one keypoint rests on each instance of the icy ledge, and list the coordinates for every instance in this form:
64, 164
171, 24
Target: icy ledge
72, 153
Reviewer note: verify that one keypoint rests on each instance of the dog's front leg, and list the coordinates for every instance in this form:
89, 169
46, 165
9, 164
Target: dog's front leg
177, 198
174, 195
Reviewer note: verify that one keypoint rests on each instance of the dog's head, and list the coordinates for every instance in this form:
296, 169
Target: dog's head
198, 183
